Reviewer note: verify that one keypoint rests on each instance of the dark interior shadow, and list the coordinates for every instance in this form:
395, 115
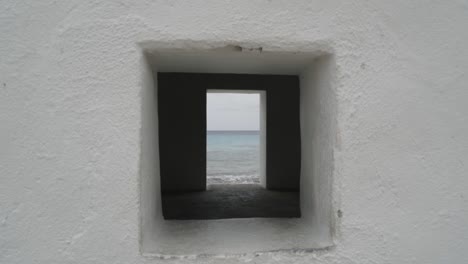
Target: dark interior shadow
223, 201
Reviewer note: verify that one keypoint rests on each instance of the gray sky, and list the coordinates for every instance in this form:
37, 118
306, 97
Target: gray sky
233, 111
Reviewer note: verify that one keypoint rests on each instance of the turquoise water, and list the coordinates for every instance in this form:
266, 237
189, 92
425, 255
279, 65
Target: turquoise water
233, 156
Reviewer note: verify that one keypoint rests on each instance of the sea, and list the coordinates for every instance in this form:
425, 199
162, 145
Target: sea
233, 157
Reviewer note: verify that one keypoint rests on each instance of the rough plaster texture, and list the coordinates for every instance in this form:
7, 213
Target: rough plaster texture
72, 76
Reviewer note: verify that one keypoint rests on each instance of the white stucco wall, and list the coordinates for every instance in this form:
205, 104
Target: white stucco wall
71, 82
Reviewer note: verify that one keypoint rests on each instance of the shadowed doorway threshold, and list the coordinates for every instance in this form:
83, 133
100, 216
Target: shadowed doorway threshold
221, 201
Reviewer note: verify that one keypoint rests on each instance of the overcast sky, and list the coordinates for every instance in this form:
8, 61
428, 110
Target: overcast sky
231, 111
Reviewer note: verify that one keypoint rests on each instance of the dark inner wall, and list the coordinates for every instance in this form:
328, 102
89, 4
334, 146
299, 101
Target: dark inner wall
182, 134
182, 127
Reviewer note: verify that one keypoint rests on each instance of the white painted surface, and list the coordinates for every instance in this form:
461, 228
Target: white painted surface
263, 135
70, 113
318, 143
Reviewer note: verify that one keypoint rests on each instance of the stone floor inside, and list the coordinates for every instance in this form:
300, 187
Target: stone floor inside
221, 201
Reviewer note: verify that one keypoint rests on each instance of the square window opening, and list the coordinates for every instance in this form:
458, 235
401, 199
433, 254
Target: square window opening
315, 229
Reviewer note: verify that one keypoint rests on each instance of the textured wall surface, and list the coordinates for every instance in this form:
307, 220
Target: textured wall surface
70, 116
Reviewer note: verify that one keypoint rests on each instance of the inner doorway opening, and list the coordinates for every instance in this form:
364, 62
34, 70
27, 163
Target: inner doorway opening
234, 137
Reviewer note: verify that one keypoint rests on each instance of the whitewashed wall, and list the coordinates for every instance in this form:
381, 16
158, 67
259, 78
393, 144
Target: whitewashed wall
71, 79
